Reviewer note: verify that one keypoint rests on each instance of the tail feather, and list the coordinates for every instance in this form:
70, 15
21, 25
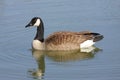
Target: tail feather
94, 36
97, 37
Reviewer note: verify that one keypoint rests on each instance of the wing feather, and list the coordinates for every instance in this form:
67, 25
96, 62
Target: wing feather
67, 39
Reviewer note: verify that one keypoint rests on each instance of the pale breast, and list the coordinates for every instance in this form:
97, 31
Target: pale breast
37, 45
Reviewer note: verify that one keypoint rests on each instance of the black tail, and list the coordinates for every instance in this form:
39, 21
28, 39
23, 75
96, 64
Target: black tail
97, 37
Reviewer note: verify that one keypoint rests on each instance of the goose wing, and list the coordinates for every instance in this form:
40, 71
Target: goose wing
67, 39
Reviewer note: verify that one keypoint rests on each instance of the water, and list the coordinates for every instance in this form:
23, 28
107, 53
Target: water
18, 62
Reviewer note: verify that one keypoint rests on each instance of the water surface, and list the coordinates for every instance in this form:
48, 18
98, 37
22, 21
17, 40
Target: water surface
17, 60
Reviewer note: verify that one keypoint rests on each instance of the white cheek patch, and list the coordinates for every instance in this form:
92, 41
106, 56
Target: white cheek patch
37, 23
87, 44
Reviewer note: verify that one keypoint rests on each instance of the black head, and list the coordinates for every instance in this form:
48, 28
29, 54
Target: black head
36, 21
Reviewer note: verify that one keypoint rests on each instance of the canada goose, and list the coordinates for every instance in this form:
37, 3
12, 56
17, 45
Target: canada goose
62, 40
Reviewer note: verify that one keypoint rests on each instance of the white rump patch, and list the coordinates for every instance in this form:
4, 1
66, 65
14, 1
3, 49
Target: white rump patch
37, 45
37, 23
87, 44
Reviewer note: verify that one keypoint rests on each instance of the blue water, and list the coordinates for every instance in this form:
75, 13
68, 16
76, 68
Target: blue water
18, 62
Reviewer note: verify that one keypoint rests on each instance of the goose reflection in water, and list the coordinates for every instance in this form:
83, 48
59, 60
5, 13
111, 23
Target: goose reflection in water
60, 56
39, 57
73, 55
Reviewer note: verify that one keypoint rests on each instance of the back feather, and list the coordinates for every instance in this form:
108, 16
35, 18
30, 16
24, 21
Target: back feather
70, 40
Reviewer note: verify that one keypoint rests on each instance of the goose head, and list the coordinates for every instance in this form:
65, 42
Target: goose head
36, 21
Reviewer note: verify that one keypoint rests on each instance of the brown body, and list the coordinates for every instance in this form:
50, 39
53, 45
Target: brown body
67, 40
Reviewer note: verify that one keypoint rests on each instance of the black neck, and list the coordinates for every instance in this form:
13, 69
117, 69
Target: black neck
40, 32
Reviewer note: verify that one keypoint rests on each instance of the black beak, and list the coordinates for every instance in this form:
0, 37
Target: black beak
28, 25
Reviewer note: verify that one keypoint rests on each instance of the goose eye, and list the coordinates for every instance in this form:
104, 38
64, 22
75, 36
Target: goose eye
33, 21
